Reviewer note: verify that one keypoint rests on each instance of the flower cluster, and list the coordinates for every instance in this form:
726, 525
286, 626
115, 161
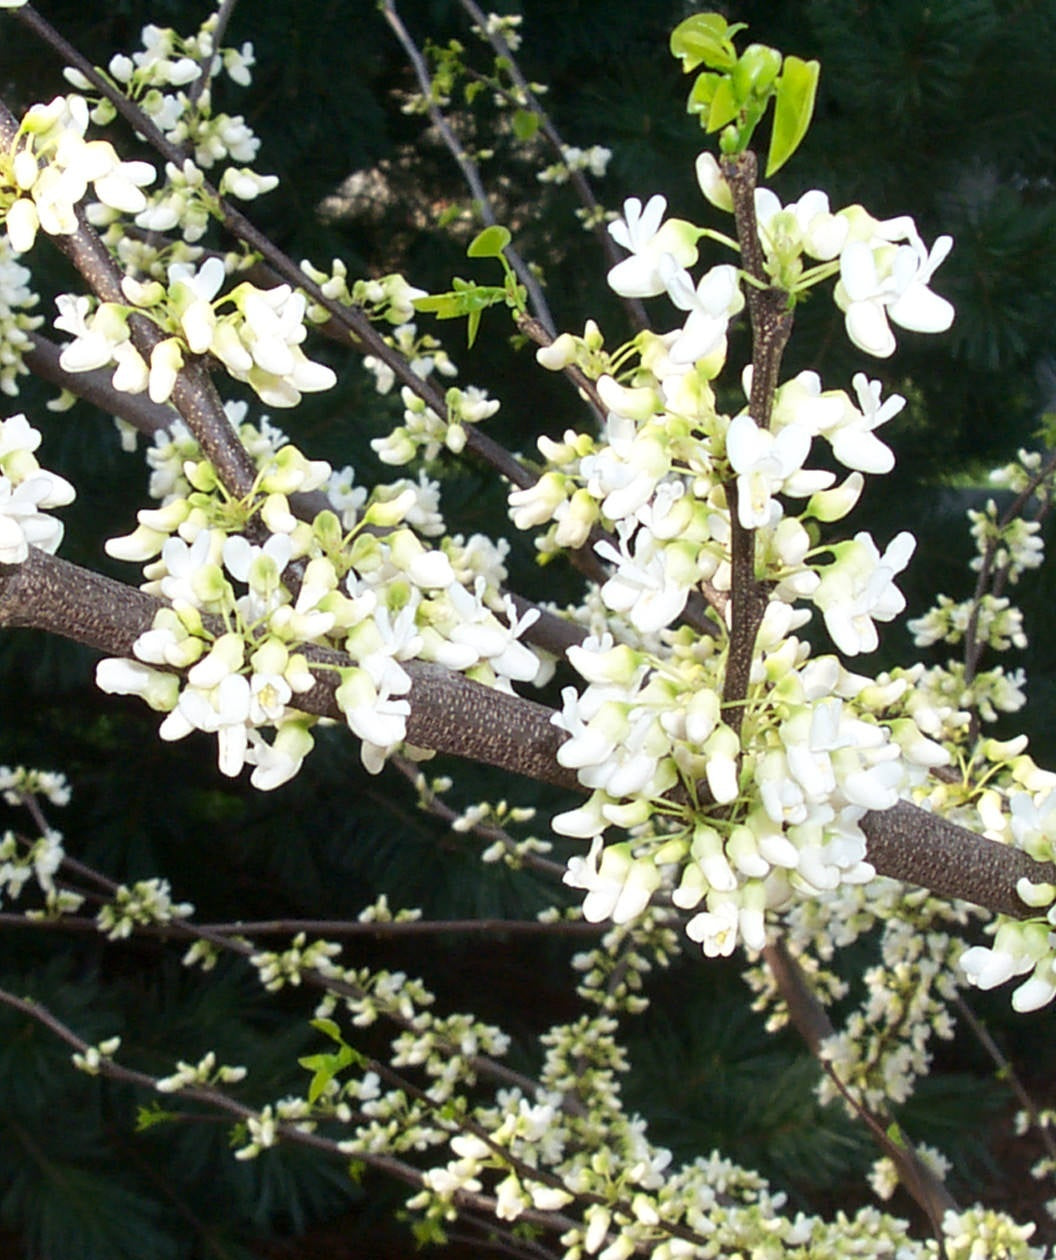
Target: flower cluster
146, 901
17, 299
884, 1047
1013, 545
884, 266
22, 863
20, 783
27, 491
771, 810
261, 1130
154, 77
46, 171
595, 160
255, 333
731, 814
389, 298
276, 969
424, 433
205, 1072
242, 616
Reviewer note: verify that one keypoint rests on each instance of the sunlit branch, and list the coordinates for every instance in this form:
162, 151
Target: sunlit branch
455, 715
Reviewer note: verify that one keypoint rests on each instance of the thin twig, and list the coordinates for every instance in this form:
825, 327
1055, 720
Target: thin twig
1007, 1072
528, 99
812, 1022
468, 167
223, 16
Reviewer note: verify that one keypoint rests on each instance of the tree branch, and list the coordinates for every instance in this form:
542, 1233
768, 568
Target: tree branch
95, 387
457, 716
813, 1025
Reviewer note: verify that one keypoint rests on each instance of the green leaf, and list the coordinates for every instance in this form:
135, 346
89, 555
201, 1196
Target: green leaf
329, 1029
796, 89
149, 1116
702, 92
724, 106
490, 243
525, 123
756, 70
472, 326
464, 299
705, 38
325, 1067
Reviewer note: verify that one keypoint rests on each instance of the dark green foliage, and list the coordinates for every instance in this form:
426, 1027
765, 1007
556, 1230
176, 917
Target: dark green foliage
712, 1079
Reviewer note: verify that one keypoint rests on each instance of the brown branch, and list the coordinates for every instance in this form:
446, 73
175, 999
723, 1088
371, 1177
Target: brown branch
467, 166
194, 396
771, 324
449, 712
495, 928
811, 1021
223, 17
95, 387
526, 98
910, 844
455, 715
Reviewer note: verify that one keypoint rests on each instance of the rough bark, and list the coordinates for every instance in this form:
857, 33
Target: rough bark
457, 716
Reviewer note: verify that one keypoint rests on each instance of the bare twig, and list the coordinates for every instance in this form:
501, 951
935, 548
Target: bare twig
468, 167
577, 178
813, 1024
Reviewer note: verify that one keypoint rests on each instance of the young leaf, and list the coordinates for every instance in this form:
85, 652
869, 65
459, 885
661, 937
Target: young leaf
329, 1029
472, 325
525, 123
464, 298
702, 92
490, 243
724, 105
796, 89
705, 38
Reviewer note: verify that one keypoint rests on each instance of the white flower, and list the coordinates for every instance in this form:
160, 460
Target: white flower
652, 585
715, 930
26, 490
618, 888
1034, 993
853, 442
640, 231
624, 472
805, 226
713, 183
880, 280
859, 589
765, 464
711, 305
